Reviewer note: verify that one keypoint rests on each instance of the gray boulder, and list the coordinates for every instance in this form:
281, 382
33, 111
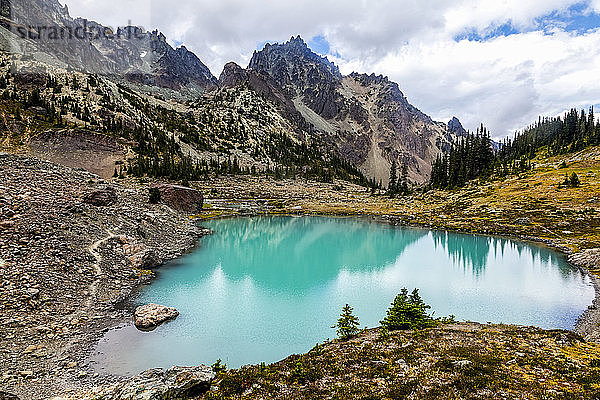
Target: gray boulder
101, 197
181, 198
154, 384
8, 396
149, 316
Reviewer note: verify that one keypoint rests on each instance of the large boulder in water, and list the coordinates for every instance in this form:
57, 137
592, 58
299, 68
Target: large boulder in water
181, 198
150, 316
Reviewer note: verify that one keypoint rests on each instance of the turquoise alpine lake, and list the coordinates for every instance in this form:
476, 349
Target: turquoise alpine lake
262, 288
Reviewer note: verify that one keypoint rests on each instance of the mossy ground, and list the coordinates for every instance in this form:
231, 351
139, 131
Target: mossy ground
454, 361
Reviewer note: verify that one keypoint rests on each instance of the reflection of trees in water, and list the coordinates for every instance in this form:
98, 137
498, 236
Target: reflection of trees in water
472, 251
305, 252
468, 251
542, 256
302, 252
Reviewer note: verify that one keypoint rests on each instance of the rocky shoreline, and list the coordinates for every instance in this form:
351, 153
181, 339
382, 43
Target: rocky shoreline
588, 324
73, 248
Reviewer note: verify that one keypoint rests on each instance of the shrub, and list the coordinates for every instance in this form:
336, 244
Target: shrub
154, 195
571, 180
236, 382
407, 312
219, 366
303, 372
574, 180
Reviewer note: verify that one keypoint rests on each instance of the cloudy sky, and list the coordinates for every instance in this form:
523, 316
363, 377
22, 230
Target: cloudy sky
500, 62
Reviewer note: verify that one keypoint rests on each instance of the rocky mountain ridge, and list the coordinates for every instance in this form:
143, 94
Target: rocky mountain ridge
44, 30
142, 82
365, 118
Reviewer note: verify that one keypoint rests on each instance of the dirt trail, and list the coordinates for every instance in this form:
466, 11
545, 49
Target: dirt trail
93, 288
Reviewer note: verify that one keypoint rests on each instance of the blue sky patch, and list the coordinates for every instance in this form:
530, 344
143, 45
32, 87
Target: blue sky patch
577, 19
319, 45
491, 32
261, 45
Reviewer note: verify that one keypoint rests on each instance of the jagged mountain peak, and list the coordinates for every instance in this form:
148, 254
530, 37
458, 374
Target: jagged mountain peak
366, 117
455, 127
232, 75
288, 55
369, 78
294, 43
87, 46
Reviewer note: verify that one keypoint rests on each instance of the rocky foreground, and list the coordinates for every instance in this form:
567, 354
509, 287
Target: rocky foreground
72, 247
454, 361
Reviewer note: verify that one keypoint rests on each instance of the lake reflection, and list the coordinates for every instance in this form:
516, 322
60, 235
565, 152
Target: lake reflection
260, 289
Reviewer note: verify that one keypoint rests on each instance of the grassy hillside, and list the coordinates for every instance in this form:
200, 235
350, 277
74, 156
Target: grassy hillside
453, 361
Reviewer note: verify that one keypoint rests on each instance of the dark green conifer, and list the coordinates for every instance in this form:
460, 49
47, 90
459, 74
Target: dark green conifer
347, 325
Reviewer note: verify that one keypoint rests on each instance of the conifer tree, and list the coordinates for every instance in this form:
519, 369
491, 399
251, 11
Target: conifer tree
347, 325
393, 178
404, 180
407, 312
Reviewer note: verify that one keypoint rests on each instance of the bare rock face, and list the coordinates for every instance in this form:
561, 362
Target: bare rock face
155, 384
232, 75
151, 315
8, 396
365, 119
454, 126
181, 198
300, 72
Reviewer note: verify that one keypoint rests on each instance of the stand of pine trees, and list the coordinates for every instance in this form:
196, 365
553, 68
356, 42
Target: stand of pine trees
574, 131
398, 184
474, 156
471, 158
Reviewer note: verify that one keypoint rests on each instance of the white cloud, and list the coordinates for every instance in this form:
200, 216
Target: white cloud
505, 82
113, 13
482, 14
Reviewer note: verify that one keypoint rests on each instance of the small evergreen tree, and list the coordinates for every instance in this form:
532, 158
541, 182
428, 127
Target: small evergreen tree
347, 325
219, 366
407, 312
574, 180
154, 195
393, 178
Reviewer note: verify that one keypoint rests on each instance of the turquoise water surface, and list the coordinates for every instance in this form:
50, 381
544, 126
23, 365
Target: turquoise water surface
260, 289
